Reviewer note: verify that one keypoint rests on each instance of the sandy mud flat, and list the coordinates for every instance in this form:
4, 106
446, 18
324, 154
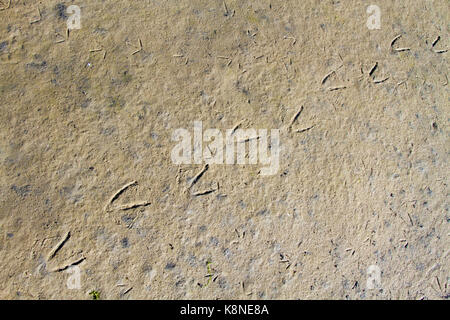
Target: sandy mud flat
116, 182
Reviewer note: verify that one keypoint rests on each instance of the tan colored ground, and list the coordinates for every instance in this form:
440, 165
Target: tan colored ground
368, 185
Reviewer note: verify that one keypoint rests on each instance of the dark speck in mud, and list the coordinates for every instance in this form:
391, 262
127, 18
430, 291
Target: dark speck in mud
108, 131
262, 212
124, 242
127, 218
35, 65
60, 9
223, 283
3, 45
221, 196
170, 266
180, 283
214, 241
21, 191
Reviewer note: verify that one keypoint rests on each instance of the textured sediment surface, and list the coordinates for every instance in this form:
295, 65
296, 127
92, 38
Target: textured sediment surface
84, 114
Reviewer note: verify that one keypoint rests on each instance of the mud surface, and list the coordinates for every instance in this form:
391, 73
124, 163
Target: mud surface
83, 114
